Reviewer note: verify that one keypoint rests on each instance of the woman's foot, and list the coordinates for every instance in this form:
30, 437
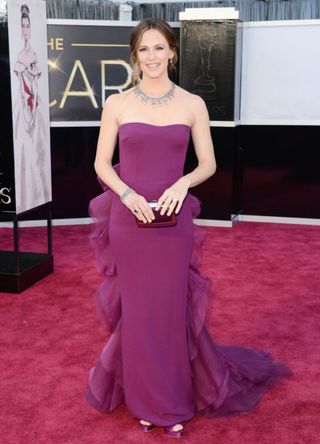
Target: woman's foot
146, 426
174, 431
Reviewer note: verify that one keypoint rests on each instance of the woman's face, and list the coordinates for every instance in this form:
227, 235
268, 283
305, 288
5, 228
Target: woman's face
25, 26
153, 53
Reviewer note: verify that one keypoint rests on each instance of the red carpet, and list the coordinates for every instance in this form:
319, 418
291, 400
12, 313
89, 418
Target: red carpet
266, 282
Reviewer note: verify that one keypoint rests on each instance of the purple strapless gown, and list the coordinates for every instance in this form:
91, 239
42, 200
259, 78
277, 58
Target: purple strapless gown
160, 358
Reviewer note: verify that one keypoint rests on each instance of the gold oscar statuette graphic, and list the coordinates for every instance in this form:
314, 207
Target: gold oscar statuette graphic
5, 197
205, 83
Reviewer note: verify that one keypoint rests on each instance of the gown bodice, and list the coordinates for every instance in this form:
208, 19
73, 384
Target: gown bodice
152, 155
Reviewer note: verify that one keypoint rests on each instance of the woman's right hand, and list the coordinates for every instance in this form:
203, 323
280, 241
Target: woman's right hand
138, 205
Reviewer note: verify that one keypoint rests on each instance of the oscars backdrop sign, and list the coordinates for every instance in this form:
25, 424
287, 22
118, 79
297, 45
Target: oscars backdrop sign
87, 63
30, 99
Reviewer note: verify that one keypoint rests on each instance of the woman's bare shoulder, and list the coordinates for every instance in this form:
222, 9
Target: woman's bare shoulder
22, 56
193, 103
190, 98
115, 102
117, 99
27, 58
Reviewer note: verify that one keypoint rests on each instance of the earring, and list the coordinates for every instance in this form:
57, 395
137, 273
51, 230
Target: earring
137, 71
137, 68
170, 60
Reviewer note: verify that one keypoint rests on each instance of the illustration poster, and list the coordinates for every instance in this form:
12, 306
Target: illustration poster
30, 103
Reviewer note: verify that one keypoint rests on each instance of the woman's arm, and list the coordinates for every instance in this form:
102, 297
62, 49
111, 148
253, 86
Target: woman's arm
202, 142
203, 145
34, 69
103, 161
34, 86
106, 145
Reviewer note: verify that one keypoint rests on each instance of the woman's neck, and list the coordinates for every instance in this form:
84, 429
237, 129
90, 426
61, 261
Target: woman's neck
155, 87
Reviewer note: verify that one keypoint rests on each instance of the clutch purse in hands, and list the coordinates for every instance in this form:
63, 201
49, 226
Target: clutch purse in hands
159, 220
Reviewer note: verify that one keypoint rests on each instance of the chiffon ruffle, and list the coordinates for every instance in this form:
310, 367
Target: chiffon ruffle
227, 380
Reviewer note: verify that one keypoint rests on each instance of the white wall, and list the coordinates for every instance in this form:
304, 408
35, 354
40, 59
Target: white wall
281, 73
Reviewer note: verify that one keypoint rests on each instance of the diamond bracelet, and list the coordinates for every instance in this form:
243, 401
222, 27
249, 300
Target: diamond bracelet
125, 194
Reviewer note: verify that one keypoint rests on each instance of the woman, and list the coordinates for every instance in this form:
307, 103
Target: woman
31, 161
160, 358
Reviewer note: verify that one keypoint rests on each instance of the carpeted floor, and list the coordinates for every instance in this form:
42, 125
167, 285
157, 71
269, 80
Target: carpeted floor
267, 295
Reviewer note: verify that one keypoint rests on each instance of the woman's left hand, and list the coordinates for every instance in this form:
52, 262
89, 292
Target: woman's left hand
172, 198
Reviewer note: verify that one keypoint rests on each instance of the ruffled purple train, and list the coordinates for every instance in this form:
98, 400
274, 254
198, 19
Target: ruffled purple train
226, 380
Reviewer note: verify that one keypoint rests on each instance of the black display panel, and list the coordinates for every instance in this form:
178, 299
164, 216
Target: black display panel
208, 64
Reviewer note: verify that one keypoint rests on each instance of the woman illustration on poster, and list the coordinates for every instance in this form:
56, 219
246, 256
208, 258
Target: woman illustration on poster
30, 130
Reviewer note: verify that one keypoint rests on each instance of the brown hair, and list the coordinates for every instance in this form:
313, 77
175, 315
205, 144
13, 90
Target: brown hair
136, 36
25, 13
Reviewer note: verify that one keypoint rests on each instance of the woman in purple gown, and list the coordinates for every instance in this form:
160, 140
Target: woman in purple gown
160, 358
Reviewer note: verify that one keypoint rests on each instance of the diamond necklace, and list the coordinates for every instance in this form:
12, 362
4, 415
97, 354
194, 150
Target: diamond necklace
154, 100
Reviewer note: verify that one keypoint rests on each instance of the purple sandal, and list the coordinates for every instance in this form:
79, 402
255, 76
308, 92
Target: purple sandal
173, 433
146, 427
